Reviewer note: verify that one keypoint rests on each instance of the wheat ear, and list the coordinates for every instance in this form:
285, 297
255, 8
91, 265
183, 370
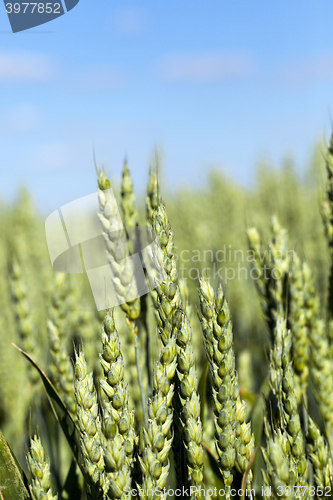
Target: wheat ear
327, 216
291, 418
24, 321
39, 467
122, 267
272, 270
298, 325
279, 474
113, 385
89, 422
61, 368
234, 439
319, 456
321, 363
170, 313
131, 220
158, 435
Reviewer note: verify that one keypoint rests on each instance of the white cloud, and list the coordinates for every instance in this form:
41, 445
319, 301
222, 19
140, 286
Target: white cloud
316, 69
19, 66
65, 153
55, 155
130, 21
20, 119
204, 67
99, 77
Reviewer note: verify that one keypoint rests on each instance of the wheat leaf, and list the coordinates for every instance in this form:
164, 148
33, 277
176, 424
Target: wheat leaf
61, 413
13, 482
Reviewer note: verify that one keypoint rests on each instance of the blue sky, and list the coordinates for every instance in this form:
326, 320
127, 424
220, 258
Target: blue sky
218, 83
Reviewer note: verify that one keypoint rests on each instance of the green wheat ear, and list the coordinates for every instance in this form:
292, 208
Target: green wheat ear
24, 320
117, 253
39, 467
153, 198
319, 455
273, 272
291, 418
89, 422
128, 204
61, 368
327, 217
298, 325
113, 385
130, 218
103, 181
321, 363
170, 314
234, 438
117, 468
279, 472
158, 435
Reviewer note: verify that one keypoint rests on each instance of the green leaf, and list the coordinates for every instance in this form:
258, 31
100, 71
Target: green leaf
13, 482
71, 487
258, 411
61, 413
202, 391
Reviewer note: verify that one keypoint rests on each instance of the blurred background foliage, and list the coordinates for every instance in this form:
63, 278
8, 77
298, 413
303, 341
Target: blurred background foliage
214, 217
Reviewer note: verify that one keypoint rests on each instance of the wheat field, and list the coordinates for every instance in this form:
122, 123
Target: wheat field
217, 383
